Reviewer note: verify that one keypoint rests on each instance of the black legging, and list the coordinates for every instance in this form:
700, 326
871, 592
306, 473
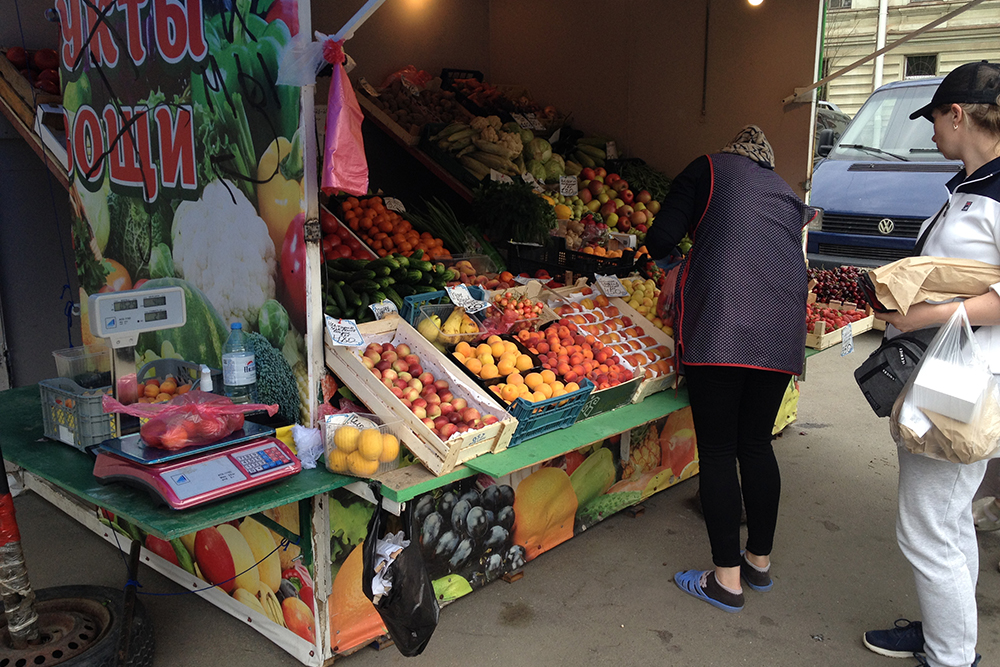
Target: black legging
734, 411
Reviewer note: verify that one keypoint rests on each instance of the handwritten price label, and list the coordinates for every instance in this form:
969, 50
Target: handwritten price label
533, 123
611, 286
612, 150
460, 297
846, 340
344, 332
383, 308
394, 204
521, 121
569, 186
497, 176
524, 280
368, 88
532, 181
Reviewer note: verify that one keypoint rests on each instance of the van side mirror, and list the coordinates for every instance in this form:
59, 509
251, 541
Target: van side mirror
826, 140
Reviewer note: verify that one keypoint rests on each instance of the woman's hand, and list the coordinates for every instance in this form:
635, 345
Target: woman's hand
920, 316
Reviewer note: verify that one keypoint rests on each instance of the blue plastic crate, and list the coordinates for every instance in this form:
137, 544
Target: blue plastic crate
541, 417
412, 303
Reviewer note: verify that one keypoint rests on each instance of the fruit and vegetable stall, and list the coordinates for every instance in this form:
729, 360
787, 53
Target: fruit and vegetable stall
466, 358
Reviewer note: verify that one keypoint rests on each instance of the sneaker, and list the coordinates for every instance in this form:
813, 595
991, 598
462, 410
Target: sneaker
901, 641
754, 578
922, 660
986, 514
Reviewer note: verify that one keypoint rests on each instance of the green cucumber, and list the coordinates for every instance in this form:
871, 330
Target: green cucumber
338, 295
352, 298
394, 297
363, 274
364, 286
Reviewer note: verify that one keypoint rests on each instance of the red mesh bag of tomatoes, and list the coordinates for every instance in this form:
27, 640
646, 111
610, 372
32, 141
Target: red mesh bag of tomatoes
191, 419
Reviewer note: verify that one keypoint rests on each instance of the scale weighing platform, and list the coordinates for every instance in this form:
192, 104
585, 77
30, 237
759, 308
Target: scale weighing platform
245, 460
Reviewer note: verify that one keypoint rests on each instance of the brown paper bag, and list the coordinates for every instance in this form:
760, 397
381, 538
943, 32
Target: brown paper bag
955, 441
912, 280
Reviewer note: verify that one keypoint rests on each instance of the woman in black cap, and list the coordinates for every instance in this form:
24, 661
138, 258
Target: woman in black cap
934, 526
746, 224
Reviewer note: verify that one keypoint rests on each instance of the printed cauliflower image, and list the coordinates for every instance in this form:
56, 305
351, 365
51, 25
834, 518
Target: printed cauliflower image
224, 248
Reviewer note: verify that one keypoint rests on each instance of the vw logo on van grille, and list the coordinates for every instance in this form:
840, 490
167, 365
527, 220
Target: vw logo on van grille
885, 226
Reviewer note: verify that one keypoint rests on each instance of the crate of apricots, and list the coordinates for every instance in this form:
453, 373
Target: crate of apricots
516, 380
386, 231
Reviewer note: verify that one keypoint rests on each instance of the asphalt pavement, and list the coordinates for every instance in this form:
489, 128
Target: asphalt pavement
607, 596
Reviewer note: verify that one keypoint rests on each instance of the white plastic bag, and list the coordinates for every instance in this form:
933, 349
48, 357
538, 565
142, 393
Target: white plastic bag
950, 407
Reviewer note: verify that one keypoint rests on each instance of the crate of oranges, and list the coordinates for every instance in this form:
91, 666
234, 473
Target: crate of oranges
514, 378
386, 231
361, 445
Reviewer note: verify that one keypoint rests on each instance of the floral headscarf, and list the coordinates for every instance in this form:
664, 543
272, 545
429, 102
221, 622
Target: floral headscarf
752, 143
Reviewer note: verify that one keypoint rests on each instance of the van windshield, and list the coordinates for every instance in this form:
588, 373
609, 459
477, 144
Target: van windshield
882, 129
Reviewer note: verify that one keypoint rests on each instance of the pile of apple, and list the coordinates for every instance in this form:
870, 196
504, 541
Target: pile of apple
429, 399
598, 318
623, 210
512, 312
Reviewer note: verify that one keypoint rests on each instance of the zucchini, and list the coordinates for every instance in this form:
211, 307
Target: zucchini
352, 298
363, 274
364, 287
394, 297
338, 295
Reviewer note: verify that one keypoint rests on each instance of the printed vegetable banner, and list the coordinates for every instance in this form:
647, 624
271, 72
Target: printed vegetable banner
245, 559
186, 169
477, 530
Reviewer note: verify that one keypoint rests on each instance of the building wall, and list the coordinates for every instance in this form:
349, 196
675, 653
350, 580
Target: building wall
851, 35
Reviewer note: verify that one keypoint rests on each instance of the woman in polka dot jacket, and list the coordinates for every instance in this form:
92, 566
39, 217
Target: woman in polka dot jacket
740, 331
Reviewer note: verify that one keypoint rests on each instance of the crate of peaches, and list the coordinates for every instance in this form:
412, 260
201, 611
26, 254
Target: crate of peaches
533, 395
446, 419
573, 355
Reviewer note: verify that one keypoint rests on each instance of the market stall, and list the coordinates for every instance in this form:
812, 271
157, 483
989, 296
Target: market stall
480, 398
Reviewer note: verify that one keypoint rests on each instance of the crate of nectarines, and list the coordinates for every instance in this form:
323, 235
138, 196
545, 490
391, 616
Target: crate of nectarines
539, 401
446, 419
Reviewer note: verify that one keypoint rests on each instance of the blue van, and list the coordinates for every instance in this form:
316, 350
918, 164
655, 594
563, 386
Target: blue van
879, 182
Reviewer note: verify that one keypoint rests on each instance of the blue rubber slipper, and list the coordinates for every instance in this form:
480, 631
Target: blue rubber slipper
691, 582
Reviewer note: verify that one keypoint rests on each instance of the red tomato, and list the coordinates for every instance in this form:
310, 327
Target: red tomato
343, 250
333, 239
327, 222
293, 272
343, 232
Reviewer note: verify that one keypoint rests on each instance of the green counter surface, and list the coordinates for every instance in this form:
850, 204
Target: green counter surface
23, 443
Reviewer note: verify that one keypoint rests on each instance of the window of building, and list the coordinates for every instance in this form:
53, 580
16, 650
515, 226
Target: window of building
918, 66
823, 90
838, 4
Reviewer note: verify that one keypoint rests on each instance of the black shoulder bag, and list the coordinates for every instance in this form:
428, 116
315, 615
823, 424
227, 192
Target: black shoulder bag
884, 373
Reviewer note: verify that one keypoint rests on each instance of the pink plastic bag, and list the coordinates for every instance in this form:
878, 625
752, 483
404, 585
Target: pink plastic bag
344, 164
194, 418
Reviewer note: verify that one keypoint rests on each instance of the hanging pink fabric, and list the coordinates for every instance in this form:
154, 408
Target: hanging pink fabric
344, 164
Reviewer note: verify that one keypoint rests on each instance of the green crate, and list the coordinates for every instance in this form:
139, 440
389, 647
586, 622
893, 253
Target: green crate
74, 415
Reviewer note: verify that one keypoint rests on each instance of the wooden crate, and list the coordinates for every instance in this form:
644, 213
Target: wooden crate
440, 457
821, 339
661, 382
376, 114
23, 87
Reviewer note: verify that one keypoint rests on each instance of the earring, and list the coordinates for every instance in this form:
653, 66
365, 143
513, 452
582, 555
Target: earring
954, 127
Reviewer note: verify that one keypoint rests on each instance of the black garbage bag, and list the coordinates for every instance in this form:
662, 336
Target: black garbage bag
409, 610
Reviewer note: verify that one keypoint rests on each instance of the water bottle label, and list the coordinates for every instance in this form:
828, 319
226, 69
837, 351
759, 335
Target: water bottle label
239, 369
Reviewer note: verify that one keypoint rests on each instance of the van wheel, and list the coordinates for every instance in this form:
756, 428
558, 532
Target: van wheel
80, 627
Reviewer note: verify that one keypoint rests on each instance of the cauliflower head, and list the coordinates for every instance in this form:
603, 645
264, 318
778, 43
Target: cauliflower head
479, 123
222, 247
512, 143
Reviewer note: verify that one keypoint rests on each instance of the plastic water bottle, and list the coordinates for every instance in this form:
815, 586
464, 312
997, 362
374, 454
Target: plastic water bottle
239, 371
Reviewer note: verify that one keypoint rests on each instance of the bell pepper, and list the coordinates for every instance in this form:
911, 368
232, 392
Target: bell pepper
300, 578
279, 186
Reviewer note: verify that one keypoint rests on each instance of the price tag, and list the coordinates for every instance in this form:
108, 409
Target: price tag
569, 186
627, 240
459, 295
368, 88
383, 308
344, 332
626, 446
394, 204
529, 178
611, 286
846, 340
612, 150
521, 120
524, 280
533, 123
411, 88
497, 176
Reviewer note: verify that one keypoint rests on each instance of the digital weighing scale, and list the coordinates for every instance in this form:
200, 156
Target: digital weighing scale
187, 477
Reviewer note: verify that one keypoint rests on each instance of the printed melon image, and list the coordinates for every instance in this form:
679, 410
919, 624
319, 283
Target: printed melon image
353, 618
678, 444
544, 508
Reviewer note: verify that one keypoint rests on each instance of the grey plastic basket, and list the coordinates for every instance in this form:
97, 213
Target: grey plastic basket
74, 415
